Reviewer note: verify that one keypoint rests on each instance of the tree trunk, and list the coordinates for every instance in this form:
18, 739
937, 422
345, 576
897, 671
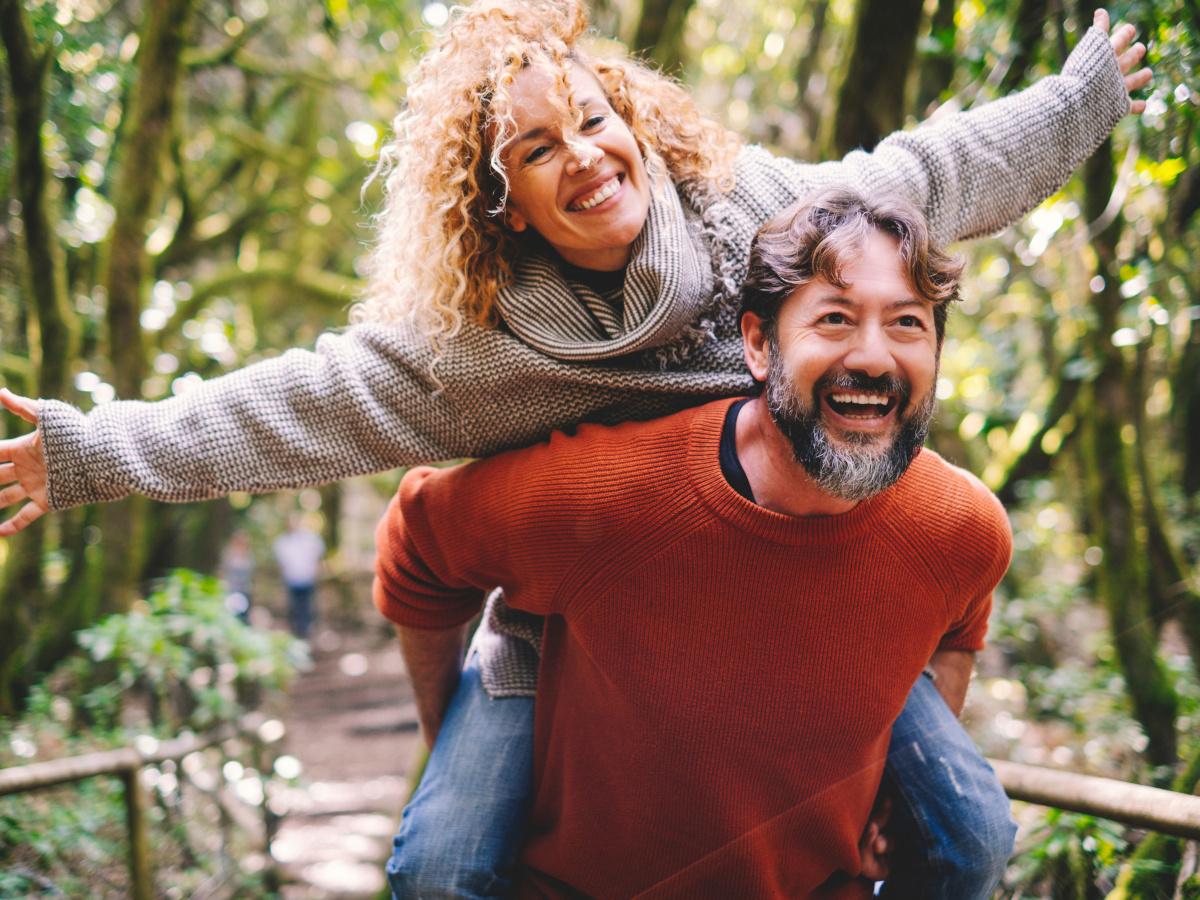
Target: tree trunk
870, 99
1122, 577
937, 63
145, 132
51, 335
819, 9
660, 31
1028, 24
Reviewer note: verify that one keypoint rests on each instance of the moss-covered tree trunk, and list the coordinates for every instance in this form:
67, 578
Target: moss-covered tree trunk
1108, 427
51, 332
137, 191
660, 31
1027, 29
870, 97
937, 61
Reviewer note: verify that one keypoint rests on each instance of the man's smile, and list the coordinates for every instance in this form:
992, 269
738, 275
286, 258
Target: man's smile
856, 405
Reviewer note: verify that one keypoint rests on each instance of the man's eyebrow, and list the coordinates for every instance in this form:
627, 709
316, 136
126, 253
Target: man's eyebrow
903, 303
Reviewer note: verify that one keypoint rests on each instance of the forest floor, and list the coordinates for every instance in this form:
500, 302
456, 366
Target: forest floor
352, 724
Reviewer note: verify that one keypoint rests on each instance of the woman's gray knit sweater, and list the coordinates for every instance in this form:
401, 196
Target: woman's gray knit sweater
365, 400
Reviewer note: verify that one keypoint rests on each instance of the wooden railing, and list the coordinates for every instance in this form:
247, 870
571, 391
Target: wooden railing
125, 763
1167, 812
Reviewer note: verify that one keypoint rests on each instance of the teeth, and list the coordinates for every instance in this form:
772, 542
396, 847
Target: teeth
860, 398
606, 191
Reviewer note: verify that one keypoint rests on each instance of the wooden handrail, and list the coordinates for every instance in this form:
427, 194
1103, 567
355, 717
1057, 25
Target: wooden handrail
125, 763
1167, 812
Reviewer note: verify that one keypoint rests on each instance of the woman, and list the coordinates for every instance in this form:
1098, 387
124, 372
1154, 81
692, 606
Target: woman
563, 239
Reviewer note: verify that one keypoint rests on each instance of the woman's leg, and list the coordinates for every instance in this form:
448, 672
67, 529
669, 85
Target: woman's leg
460, 834
953, 820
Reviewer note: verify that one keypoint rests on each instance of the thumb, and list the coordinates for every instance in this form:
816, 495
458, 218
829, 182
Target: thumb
22, 406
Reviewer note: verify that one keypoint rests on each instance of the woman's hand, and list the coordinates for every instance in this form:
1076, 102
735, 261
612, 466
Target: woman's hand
1128, 57
22, 467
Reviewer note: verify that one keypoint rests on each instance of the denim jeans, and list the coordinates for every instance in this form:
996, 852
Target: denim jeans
953, 820
460, 835
300, 609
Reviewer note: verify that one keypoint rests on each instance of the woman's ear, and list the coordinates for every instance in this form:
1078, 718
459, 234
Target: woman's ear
755, 345
513, 220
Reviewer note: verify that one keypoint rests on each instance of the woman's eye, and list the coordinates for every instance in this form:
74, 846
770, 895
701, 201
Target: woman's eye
593, 122
536, 153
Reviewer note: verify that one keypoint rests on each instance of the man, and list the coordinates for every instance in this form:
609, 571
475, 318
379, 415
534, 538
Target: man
299, 552
740, 596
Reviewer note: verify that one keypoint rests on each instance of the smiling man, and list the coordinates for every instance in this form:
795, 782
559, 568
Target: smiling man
740, 596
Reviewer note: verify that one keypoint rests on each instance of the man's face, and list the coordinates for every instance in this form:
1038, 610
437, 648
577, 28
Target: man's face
851, 372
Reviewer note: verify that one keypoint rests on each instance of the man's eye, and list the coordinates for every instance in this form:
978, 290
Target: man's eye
911, 322
836, 318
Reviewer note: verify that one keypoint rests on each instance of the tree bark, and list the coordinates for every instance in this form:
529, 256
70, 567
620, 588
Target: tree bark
819, 9
1027, 29
660, 31
1122, 577
870, 99
51, 334
937, 64
139, 181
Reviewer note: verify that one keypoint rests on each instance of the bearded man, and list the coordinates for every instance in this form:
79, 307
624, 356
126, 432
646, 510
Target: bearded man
739, 596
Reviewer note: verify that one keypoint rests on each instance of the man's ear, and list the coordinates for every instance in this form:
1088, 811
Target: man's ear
755, 345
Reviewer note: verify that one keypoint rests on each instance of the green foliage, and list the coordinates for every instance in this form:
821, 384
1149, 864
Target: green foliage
198, 662
181, 659
1067, 853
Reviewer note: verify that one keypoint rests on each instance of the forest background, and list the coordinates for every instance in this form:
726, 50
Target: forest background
181, 195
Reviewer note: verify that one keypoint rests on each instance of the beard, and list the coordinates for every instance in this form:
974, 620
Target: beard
861, 465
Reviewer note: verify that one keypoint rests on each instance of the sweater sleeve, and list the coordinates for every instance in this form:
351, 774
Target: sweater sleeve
512, 521
363, 402
978, 171
989, 546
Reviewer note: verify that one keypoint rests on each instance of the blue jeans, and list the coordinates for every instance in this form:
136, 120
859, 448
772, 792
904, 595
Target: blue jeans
300, 609
460, 835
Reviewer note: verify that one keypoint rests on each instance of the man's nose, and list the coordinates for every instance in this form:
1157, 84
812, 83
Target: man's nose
584, 156
870, 352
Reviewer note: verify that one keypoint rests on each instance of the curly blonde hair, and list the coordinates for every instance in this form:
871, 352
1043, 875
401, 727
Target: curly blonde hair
441, 251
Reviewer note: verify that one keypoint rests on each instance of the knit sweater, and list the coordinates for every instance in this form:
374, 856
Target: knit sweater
718, 681
366, 400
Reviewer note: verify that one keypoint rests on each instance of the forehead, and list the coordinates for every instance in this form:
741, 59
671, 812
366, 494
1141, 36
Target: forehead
534, 90
874, 271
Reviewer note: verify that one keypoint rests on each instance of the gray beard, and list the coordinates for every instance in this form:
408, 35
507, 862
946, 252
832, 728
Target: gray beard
863, 467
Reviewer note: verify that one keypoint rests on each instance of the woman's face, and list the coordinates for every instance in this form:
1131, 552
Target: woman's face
589, 199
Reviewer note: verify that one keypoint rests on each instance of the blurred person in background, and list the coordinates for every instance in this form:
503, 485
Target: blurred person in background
299, 552
237, 568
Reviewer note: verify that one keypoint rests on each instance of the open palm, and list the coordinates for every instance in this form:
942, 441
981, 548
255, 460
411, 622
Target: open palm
22, 467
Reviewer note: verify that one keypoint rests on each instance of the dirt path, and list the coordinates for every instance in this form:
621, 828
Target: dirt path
352, 724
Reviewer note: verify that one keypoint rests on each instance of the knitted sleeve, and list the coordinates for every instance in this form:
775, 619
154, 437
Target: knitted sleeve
520, 520
982, 560
363, 402
979, 171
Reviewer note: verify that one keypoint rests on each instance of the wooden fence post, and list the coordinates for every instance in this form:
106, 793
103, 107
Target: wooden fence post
140, 880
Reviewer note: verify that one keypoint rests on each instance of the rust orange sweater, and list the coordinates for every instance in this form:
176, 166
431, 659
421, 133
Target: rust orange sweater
718, 681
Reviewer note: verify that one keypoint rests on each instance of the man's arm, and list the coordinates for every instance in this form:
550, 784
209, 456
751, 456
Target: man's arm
434, 663
952, 672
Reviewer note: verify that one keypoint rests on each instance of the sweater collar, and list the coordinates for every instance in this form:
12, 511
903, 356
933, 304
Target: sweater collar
670, 293
725, 502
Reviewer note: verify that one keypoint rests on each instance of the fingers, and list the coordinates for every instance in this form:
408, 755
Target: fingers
27, 514
22, 406
1131, 58
8, 473
1100, 20
14, 493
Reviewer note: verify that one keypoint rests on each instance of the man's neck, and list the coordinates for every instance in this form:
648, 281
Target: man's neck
780, 484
